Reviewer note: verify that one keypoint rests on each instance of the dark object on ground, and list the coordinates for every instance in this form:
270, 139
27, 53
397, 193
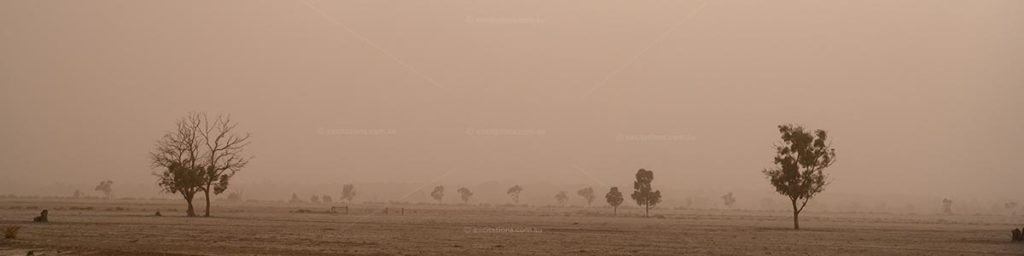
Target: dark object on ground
11, 232
158, 213
42, 217
1017, 236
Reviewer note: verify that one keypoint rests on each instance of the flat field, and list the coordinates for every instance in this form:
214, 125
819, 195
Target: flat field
129, 227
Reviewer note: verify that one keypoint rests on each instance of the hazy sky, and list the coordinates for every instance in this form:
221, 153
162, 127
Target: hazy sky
921, 97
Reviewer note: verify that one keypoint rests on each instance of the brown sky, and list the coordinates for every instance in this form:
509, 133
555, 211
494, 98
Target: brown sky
921, 97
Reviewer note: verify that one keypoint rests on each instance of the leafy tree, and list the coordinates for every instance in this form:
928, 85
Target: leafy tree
327, 199
800, 158
465, 194
728, 200
643, 193
295, 199
107, 187
314, 199
614, 198
438, 194
78, 194
348, 192
587, 194
514, 193
562, 198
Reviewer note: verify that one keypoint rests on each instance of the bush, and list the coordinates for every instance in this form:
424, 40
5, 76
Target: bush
11, 232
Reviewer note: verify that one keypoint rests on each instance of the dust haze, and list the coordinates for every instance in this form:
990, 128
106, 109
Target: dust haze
922, 99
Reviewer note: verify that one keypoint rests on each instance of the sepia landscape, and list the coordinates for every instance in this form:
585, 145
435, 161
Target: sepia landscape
356, 127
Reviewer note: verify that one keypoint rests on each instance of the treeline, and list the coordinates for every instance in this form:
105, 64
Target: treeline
202, 154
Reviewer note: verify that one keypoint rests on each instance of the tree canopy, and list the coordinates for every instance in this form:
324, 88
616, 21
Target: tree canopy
643, 193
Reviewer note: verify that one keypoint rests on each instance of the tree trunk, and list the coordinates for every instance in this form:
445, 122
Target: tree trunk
647, 210
796, 215
207, 192
615, 211
796, 220
191, 212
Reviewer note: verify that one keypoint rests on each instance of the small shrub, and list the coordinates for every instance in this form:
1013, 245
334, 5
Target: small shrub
11, 232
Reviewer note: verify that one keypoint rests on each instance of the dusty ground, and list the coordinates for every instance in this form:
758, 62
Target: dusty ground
247, 229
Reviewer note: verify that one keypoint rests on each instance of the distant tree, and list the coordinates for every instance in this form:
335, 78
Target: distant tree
78, 194
643, 193
106, 187
728, 200
947, 206
800, 158
465, 194
348, 192
327, 199
514, 193
177, 155
438, 194
314, 199
295, 199
562, 198
224, 154
587, 194
614, 198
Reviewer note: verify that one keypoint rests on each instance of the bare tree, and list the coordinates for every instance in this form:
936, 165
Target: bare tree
800, 158
562, 198
178, 154
438, 194
224, 155
107, 187
348, 192
614, 198
514, 193
465, 194
587, 194
643, 193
